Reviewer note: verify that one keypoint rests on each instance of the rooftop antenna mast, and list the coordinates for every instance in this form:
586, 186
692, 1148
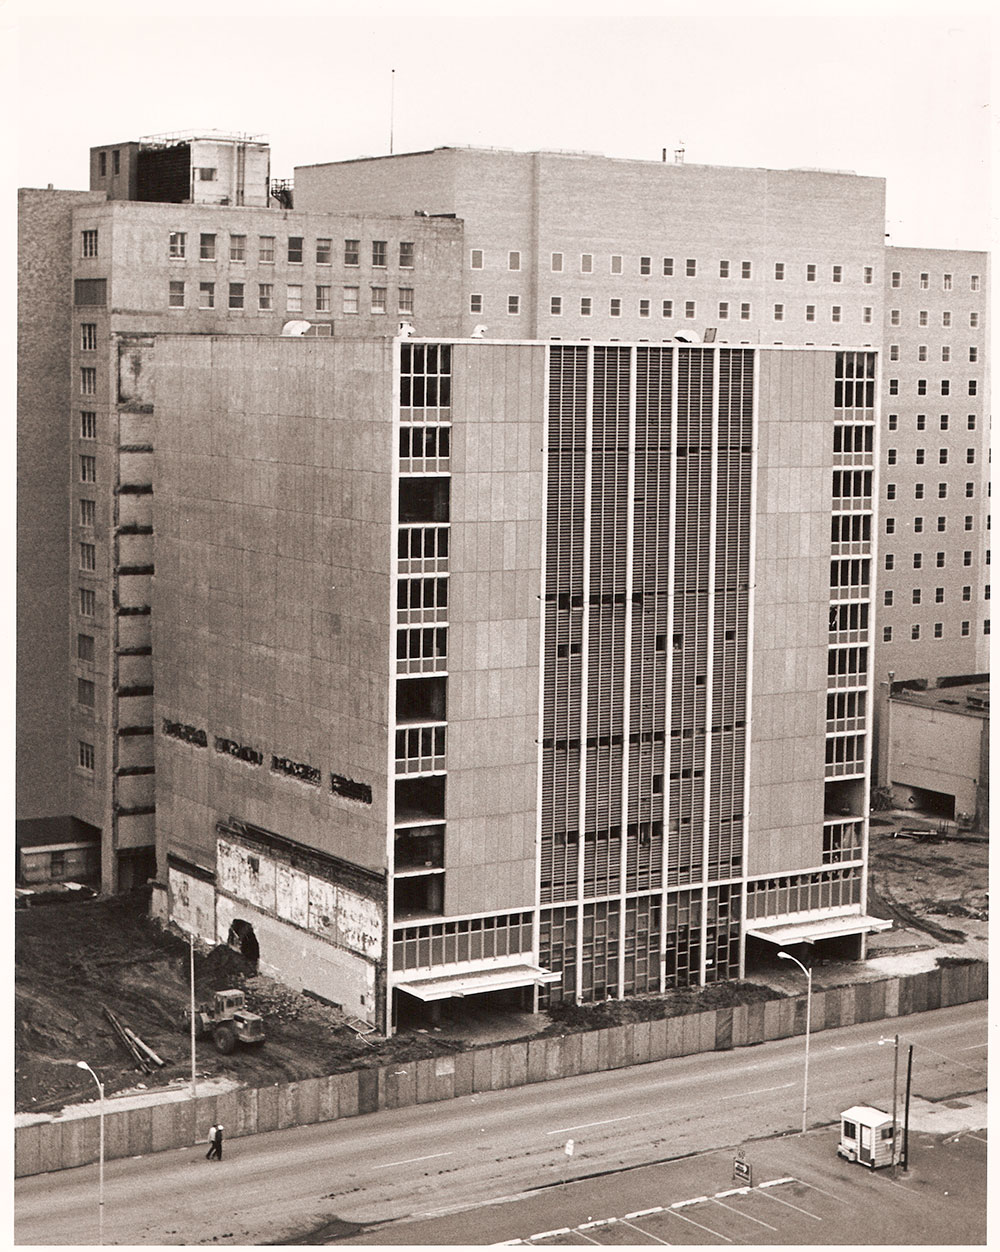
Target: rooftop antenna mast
392, 105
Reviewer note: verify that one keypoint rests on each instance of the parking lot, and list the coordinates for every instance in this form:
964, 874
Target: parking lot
803, 1193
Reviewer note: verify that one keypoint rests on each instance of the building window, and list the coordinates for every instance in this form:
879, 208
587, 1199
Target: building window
406, 252
405, 299
691, 267
890, 525
744, 312
586, 305
887, 634
352, 254
810, 312
890, 491
88, 336
973, 355
324, 251
88, 557
87, 602
938, 629
723, 310
918, 525
971, 421
810, 273
265, 296
175, 297
894, 352
921, 353
236, 295
85, 755
88, 425
942, 491
689, 308
939, 560
941, 524
351, 295
945, 386
88, 469
668, 267
237, 247
921, 421
965, 630
893, 386
555, 306
323, 299
378, 299
918, 491
779, 312
779, 270
890, 561
869, 275
586, 263
916, 595
967, 557
265, 249
914, 632
925, 281
894, 317
293, 298
177, 249
616, 264
918, 560
973, 387
946, 318
206, 248
513, 305
513, 260
295, 247
207, 173
887, 599
946, 282
968, 521
946, 354
102, 163
922, 317
890, 456
475, 303
893, 421
974, 282
838, 273
723, 269
920, 456
89, 240
942, 456
85, 692
970, 490
616, 307
645, 265
866, 314
88, 380
85, 648
644, 308
970, 456
973, 320
835, 313
206, 295
87, 513
986, 626
939, 595
895, 279
556, 262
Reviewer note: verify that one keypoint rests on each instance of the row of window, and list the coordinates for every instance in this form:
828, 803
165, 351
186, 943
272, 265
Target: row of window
918, 491
238, 298
973, 387
922, 352
965, 630
918, 524
917, 594
921, 421
294, 246
947, 281
668, 308
940, 559
920, 456
923, 318
668, 267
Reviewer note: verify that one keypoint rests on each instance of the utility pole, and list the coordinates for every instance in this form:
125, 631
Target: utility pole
194, 1076
895, 1078
906, 1111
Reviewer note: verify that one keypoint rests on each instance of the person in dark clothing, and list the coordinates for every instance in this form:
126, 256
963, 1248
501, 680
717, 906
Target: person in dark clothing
214, 1143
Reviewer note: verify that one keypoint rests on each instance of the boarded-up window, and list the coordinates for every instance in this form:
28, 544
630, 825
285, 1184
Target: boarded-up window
90, 291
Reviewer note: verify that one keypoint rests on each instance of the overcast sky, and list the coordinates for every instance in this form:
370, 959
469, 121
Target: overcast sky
904, 97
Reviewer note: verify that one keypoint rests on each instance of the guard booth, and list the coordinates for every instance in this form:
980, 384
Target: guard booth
866, 1136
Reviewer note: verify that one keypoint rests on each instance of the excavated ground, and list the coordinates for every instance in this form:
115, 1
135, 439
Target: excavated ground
71, 959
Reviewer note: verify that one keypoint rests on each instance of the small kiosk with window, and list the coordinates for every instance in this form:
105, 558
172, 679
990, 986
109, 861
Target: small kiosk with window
866, 1135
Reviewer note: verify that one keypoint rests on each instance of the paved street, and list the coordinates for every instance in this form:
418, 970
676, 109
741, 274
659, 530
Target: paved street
320, 1182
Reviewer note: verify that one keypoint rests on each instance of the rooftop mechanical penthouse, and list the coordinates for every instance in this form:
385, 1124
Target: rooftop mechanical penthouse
523, 670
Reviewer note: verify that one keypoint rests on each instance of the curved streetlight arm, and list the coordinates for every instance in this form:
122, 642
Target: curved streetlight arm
787, 956
100, 1184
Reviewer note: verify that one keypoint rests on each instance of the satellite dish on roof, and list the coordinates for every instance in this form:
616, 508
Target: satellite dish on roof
291, 329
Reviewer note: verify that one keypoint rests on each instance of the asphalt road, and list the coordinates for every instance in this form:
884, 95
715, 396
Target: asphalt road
318, 1183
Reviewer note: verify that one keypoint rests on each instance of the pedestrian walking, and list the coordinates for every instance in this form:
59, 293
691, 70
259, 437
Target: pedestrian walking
214, 1143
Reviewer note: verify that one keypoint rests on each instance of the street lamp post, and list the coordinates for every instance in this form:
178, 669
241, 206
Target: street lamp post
100, 1176
787, 956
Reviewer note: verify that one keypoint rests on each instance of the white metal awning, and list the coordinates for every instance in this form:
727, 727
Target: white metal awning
472, 982
784, 934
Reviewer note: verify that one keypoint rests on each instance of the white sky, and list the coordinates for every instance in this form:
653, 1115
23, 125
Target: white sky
897, 95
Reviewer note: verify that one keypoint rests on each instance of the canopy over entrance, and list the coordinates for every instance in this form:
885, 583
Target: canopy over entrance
474, 982
785, 934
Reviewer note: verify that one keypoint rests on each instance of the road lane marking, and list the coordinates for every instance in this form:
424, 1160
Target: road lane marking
790, 1205
412, 1160
587, 1125
646, 1233
760, 1091
698, 1224
732, 1209
972, 1047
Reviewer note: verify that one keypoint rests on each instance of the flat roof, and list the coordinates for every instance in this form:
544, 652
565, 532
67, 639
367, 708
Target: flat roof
965, 699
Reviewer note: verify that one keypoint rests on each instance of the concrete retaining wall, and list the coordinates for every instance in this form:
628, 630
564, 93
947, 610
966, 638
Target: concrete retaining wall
61, 1144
